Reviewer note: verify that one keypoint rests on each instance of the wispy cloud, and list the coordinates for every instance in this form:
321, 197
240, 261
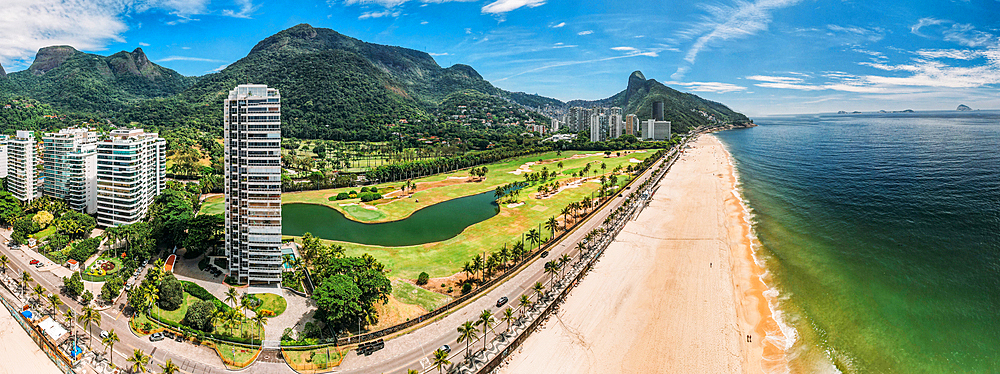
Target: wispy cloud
218, 69
570, 63
873, 34
439, 54
924, 22
384, 3
558, 25
562, 45
503, 6
424, 22
627, 49
774, 79
585, 32
729, 22
246, 9
186, 58
716, 87
144, 44
380, 14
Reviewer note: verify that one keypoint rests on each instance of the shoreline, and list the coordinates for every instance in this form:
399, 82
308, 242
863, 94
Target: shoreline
679, 291
757, 310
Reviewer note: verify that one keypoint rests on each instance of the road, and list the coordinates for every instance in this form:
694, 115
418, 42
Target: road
406, 352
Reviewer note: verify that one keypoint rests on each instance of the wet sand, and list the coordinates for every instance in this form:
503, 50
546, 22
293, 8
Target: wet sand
677, 292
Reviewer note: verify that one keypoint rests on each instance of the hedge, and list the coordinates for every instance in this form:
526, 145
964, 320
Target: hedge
197, 291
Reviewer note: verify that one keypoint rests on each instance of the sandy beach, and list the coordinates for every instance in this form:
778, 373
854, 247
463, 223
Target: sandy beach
677, 292
18, 353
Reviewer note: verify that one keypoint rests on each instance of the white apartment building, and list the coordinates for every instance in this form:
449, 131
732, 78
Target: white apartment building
24, 162
252, 135
70, 173
131, 172
656, 130
3, 155
615, 123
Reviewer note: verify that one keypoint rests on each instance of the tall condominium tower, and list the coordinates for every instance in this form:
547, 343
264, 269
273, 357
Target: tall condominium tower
70, 173
3, 155
24, 163
253, 183
131, 171
631, 124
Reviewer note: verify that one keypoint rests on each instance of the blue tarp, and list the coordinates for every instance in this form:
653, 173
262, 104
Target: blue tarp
26, 314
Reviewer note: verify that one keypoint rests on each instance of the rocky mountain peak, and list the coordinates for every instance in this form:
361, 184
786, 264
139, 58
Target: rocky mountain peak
49, 58
3, 74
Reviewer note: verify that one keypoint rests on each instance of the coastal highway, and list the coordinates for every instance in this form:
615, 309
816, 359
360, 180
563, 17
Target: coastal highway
406, 351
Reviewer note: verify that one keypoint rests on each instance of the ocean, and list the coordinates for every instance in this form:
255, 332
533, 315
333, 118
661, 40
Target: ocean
880, 234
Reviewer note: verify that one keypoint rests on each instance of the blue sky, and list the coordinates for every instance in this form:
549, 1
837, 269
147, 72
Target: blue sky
759, 57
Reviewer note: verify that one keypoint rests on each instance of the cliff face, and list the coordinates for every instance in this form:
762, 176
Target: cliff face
3, 74
49, 58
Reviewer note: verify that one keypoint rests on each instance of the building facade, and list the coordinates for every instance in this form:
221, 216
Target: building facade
3, 155
656, 130
24, 163
631, 124
131, 172
252, 118
70, 168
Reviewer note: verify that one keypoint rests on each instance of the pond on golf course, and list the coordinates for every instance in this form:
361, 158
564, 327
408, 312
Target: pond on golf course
434, 223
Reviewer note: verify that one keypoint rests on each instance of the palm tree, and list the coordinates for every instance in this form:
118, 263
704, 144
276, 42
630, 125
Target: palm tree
485, 319
232, 295
39, 292
468, 269
565, 213
440, 360
466, 333
563, 261
538, 288
508, 316
69, 317
139, 361
89, 316
580, 247
3, 263
552, 225
55, 302
524, 302
260, 321
412, 371
478, 264
551, 268
533, 237
519, 250
109, 343
169, 367
25, 279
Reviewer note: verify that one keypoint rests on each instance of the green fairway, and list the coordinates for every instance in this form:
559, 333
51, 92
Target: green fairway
445, 258
213, 205
407, 293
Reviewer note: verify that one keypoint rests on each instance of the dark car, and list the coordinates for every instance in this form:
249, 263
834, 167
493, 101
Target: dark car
156, 337
446, 348
546, 253
502, 301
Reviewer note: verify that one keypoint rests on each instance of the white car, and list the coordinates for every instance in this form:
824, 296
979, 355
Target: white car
104, 334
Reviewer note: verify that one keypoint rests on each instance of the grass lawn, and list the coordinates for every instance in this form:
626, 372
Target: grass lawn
139, 320
272, 302
95, 278
316, 358
174, 315
445, 258
237, 356
213, 205
409, 294
44, 234
246, 330
362, 214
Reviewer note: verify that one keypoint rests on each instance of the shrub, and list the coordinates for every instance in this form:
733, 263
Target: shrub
364, 189
83, 249
112, 287
353, 192
466, 287
423, 278
74, 285
369, 196
43, 218
199, 315
343, 196
197, 291
171, 293
86, 297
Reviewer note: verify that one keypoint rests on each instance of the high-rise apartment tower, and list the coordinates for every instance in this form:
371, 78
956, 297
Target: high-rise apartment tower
131, 172
70, 173
253, 183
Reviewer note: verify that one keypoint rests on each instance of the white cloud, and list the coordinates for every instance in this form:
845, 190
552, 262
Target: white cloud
681, 71
246, 9
968, 36
424, 22
384, 3
384, 13
924, 22
570, 63
504, 6
144, 44
731, 22
28, 25
185, 48
438, 54
774, 79
716, 87
955, 54
874, 34
186, 58
626, 49
218, 69
585, 32
558, 25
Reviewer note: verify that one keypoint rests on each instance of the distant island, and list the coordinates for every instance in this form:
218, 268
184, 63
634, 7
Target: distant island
963, 108
881, 111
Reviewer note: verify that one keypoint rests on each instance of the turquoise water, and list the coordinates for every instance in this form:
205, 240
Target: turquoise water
881, 234
434, 223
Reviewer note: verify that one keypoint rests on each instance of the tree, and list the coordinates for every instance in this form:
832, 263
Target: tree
199, 315
111, 289
169, 216
4, 261
42, 218
25, 279
171, 294
10, 208
232, 295
534, 237
563, 261
75, 225
139, 361
109, 343
69, 317
204, 232
55, 302
260, 321
87, 317
469, 270
485, 319
169, 367
508, 316
73, 284
39, 293
86, 297
440, 360
339, 298
551, 268
551, 224
466, 333
538, 288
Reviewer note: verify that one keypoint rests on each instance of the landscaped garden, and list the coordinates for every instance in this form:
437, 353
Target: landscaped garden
103, 268
313, 359
236, 356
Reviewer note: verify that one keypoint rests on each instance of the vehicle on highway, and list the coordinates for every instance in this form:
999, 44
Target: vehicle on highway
39, 265
502, 301
446, 348
156, 337
104, 334
546, 253
33, 262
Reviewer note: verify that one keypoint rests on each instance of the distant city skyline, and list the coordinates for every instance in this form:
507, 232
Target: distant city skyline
762, 57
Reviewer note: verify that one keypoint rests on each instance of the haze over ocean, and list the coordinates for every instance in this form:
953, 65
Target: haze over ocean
881, 234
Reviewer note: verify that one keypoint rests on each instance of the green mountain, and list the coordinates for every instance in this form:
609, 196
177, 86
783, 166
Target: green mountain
82, 82
3, 74
684, 110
